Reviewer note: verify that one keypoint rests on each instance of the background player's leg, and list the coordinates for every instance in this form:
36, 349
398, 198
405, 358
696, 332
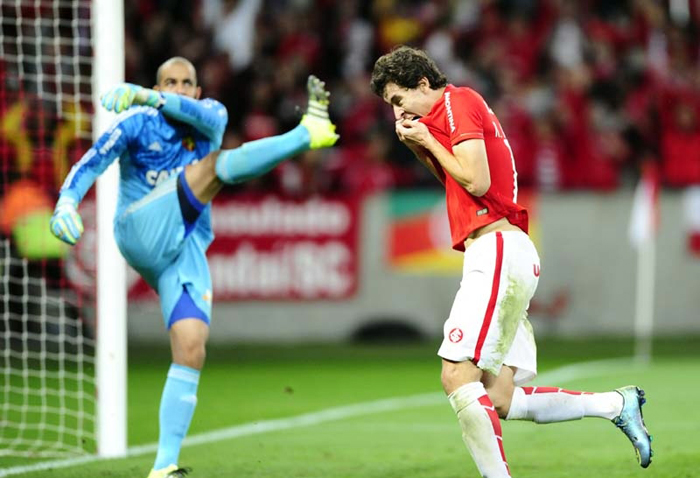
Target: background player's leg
481, 428
187, 318
256, 158
201, 178
187, 338
250, 160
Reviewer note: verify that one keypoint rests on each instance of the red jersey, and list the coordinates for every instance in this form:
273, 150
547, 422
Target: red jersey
462, 114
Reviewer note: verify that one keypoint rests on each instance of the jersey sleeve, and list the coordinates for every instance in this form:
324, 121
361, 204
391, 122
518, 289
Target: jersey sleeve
207, 116
467, 115
109, 146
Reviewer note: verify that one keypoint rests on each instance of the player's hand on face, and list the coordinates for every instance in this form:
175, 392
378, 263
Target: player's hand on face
400, 129
66, 224
412, 132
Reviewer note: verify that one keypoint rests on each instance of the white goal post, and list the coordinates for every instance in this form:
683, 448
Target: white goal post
62, 353
108, 69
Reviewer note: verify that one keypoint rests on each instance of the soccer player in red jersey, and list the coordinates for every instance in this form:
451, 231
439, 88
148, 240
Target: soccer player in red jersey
488, 350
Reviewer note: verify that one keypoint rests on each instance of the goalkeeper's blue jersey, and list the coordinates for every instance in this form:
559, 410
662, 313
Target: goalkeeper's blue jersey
151, 147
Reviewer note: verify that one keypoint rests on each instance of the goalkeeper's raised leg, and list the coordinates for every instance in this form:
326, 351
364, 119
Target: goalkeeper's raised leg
255, 158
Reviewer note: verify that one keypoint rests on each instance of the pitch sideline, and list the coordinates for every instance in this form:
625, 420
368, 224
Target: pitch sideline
559, 375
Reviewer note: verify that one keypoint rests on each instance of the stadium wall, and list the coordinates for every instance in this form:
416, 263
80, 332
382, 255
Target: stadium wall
587, 286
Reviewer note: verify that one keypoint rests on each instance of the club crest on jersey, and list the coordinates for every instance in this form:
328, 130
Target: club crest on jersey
455, 335
188, 143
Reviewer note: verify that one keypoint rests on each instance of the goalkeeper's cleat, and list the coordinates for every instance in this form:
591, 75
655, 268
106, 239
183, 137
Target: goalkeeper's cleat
631, 422
318, 96
171, 471
321, 131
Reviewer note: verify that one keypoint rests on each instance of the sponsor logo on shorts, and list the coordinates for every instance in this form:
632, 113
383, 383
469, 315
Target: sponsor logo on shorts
536, 270
455, 335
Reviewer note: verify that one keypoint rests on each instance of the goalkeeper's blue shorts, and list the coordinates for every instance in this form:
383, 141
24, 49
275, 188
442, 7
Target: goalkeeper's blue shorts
152, 236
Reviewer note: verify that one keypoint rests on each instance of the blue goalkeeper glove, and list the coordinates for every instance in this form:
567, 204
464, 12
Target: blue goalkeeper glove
124, 95
66, 223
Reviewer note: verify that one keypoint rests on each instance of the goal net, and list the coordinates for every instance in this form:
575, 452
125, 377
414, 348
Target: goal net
47, 353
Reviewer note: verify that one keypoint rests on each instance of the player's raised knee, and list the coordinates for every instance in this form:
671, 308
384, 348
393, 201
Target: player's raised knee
501, 401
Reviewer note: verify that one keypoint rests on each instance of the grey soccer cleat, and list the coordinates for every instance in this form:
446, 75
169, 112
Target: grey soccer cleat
318, 95
321, 131
631, 422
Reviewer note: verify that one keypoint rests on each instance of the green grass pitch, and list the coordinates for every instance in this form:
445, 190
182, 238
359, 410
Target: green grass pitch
270, 386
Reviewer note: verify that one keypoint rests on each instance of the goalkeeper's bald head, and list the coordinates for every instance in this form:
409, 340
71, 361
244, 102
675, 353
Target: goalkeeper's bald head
175, 60
178, 75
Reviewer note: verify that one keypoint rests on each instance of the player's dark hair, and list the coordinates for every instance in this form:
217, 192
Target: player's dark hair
405, 66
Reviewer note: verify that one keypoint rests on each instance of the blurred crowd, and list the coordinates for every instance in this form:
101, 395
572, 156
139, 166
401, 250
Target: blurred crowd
589, 93
586, 90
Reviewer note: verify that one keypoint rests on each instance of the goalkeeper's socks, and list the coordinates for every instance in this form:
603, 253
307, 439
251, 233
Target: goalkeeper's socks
255, 158
552, 404
481, 429
176, 409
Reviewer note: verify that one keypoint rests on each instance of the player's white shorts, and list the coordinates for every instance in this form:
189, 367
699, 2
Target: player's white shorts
488, 321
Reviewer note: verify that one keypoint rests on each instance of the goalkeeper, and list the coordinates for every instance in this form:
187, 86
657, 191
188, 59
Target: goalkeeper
167, 141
